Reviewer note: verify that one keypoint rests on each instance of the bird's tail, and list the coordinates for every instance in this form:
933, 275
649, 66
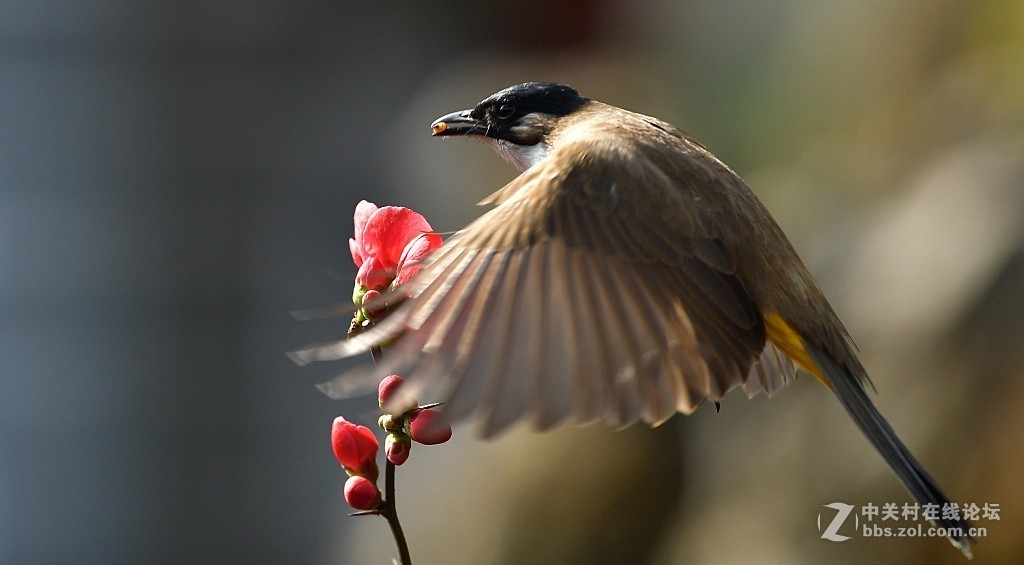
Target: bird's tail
855, 400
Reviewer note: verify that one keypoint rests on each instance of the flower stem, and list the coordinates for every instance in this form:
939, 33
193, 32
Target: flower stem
390, 512
388, 509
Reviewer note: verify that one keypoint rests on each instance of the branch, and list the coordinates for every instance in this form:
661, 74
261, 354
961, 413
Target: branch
388, 509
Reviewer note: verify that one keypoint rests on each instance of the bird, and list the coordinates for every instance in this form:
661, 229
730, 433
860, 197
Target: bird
625, 274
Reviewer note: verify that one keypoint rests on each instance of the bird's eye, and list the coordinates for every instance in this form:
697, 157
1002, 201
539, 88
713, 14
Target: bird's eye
505, 111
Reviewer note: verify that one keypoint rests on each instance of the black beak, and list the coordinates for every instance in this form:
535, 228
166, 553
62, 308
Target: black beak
458, 123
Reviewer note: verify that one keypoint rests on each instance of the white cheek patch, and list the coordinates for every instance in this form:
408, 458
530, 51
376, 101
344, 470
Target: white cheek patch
521, 157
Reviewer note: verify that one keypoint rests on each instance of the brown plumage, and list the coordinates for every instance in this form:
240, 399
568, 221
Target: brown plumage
626, 274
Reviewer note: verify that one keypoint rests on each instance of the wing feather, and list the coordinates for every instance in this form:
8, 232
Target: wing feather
593, 290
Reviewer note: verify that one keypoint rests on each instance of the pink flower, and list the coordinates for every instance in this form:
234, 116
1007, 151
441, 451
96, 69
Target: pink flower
355, 447
361, 493
389, 230
382, 239
429, 427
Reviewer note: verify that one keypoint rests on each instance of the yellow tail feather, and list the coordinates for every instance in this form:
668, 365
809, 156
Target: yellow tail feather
780, 333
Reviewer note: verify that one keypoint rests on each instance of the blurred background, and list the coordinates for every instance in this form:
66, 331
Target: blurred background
175, 177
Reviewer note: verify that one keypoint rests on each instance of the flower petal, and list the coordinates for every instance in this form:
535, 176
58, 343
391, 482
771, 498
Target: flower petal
373, 275
356, 250
389, 230
413, 254
361, 217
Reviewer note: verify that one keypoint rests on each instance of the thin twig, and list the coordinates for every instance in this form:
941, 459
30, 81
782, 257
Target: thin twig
390, 512
388, 509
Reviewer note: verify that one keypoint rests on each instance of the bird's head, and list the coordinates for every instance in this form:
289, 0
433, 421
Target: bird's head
516, 121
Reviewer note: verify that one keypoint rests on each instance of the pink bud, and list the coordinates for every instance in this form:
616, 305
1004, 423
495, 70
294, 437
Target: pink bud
370, 295
430, 427
361, 493
373, 304
355, 447
397, 448
387, 387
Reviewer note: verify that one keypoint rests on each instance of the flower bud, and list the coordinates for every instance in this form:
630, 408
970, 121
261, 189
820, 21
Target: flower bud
429, 427
355, 447
373, 304
387, 387
397, 447
390, 424
361, 493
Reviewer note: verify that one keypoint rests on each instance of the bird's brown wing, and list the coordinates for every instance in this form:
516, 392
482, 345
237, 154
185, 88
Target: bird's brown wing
595, 289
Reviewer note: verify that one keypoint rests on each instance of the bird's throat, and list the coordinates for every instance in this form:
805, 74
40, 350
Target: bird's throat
521, 157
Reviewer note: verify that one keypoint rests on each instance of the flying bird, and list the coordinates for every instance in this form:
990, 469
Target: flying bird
627, 274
